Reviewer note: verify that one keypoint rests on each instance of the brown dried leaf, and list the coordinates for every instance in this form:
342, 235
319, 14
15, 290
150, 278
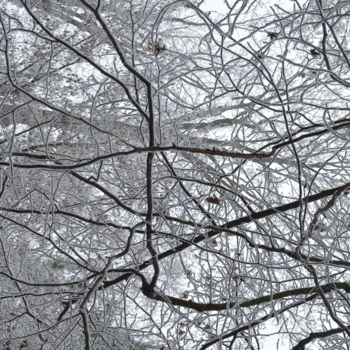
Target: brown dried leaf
213, 200
272, 35
314, 52
320, 227
158, 48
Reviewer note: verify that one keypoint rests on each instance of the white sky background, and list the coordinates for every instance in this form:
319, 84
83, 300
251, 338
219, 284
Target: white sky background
215, 5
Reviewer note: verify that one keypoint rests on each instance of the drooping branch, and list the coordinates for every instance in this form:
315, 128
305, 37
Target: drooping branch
317, 335
203, 307
234, 223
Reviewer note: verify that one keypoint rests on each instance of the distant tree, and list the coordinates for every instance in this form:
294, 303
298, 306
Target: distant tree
174, 177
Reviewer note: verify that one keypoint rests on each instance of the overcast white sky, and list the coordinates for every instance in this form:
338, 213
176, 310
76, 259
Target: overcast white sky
215, 5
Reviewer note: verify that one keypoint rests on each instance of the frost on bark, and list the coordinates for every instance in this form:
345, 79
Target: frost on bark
174, 177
